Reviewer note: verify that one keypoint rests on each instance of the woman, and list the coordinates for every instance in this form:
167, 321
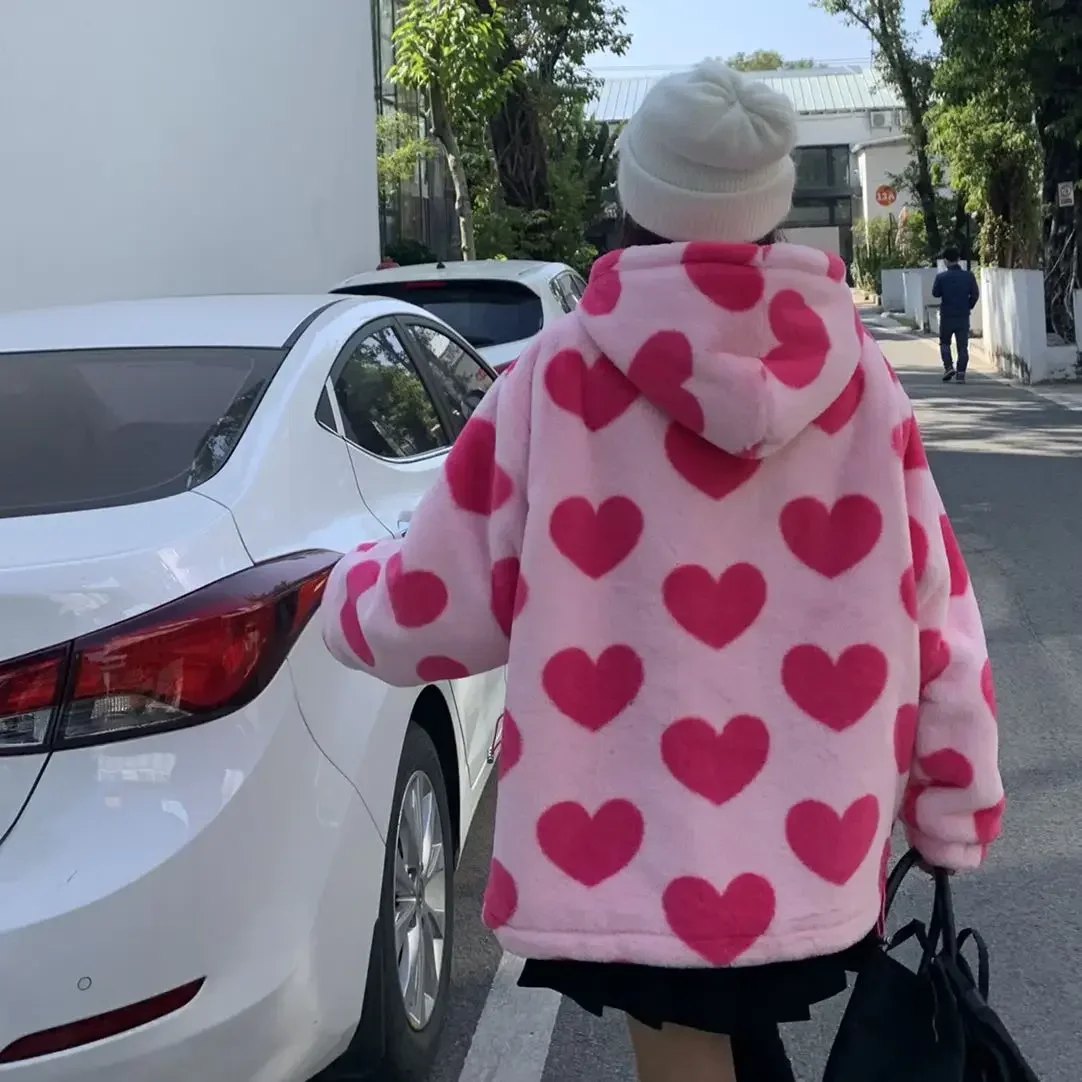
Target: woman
697, 523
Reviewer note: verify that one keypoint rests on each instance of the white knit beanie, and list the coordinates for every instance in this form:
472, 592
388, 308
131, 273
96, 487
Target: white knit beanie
706, 157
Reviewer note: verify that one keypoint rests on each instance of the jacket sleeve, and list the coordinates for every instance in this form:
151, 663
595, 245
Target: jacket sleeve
438, 603
974, 291
954, 803
937, 285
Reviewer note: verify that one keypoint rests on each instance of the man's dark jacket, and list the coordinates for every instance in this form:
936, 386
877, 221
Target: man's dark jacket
958, 293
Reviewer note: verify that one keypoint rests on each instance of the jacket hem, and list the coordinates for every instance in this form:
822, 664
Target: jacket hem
666, 950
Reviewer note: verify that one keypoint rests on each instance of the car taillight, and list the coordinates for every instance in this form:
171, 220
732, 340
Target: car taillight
188, 662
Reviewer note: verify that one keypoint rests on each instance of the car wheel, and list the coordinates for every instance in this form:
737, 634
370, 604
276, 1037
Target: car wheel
410, 970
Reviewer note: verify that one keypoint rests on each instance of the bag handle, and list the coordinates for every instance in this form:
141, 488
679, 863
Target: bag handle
897, 876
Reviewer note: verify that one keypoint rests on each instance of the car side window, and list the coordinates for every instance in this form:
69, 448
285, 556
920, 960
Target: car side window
578, 285
460, 377
386, 408
561, 286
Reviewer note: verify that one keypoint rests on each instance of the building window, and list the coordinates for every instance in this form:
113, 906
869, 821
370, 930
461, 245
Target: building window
822, 169
420, 209
819, 212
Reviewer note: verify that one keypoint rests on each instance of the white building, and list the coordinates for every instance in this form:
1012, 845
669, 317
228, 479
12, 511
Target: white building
851, 143
184, 146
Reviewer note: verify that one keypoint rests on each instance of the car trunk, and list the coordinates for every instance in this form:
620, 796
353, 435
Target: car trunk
68, 574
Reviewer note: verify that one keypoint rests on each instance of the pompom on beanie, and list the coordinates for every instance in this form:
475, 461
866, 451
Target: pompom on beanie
707, 157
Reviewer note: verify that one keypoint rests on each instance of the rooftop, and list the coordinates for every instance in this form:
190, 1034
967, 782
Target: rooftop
812, 90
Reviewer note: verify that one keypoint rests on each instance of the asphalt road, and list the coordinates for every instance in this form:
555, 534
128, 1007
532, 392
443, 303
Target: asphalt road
1008, 464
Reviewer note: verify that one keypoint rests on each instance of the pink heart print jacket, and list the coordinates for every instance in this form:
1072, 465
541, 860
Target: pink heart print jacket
697, 524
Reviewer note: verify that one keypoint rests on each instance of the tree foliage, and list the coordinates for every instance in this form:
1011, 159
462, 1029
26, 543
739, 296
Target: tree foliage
401, 146
766, 60
911, 73
886, 244
452, 52
543, 175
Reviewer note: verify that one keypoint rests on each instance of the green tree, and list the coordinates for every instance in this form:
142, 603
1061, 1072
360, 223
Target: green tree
401, 147
911, 73
453, 53
983, 126
766, 60
547, 166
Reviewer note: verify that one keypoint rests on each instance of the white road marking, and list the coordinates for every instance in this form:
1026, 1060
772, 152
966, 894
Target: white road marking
511, 1042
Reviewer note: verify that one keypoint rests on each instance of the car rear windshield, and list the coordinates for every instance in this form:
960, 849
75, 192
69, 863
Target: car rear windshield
101, 427
485, 311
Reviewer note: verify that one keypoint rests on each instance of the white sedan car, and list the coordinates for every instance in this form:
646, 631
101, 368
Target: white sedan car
223, 856
497, 305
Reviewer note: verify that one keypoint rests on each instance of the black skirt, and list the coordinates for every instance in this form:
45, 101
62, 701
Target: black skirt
749, 1000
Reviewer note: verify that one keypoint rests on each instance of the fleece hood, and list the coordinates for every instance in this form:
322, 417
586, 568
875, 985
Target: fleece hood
746, 345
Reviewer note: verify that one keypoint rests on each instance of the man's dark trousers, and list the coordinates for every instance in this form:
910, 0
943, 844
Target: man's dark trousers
959, 331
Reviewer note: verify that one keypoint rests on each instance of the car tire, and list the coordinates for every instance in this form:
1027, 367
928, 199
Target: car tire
399, 1032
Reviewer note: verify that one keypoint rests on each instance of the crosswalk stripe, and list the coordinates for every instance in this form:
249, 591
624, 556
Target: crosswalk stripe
513, 1034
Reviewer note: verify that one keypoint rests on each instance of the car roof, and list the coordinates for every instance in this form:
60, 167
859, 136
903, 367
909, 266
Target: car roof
259, 321
500, 269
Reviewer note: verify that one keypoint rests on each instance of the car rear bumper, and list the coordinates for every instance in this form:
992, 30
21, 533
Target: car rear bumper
233, 852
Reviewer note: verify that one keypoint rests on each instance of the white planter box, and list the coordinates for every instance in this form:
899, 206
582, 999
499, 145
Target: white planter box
1014, 327
893, 298
918, 283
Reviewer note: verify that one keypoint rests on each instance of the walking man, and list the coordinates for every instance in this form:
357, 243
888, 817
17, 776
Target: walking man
957, 291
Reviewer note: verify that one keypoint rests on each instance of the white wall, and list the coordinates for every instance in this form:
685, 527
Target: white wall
826, 238
837, 128
152, 147
878, 165
893, 290
1014, 327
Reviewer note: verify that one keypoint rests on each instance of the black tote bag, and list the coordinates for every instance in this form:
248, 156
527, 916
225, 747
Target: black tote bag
933, 1024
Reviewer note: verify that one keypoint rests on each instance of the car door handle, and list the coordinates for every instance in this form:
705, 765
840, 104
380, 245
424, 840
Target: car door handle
404, 520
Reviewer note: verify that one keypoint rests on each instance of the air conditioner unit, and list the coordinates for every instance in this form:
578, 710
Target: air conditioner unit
879, 120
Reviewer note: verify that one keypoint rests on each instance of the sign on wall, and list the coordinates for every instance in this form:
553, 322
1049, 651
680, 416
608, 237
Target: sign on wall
1065, 194
885, 195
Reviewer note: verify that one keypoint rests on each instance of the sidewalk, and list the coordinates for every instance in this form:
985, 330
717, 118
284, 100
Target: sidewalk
887, 328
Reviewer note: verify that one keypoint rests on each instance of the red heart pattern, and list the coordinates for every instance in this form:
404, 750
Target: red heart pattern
604, 289
418, 598
659, 369
501, 897
717, 766
988, 687
839, 693
591, 848
476, 481
948, 767
935, 656
905, 737
988, 822
803, 342
908, 591
831, 540
830, 845
840, 412
510, 744
359, 579
715, 611
593, 693
706, 467
918, 544
435, 668
597, 394
597, 540
509, 592
732, 283
719, 927
955, 560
